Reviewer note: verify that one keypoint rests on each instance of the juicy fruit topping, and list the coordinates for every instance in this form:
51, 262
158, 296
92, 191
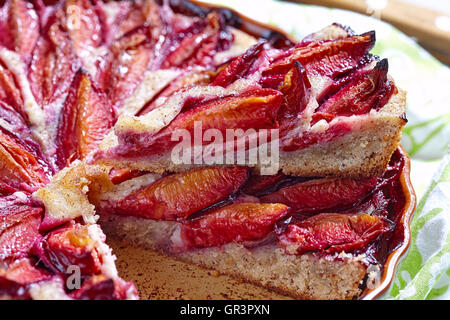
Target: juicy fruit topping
199, 43
53, 64
10, 92
13, 197
16, 279
68, 246
21, 167
326, 58
14, 120
128, 16
99, 287
368, 90
196, 38
83, 26
19, 231
95, 288
296, 91
253, 109
86, 117
156, 38
315, 76
123, 68
239, 67
19, 27
177, 196
234, 223
381, 201
23, 272
322, 194
330, 232
120, 175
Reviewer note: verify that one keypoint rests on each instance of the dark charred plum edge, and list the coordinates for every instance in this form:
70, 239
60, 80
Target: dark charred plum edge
232, 18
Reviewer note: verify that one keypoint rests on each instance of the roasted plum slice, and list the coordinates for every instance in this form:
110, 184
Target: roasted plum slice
19, 27
128, 15
120, 175
13, 197
369, 90
85, 119
6, 189
140, 45
253, 109
10, 93
124, 66
99, 287
19, 230
234, 223
15, 280
68, 246
296, 92
329, 58
322, 194
239, 67
250, 65
83, 26
331, 232
195, 39
23, 271
164, 40
177, 196
53, 64
14, 120
22, 166
197, 44
14, 124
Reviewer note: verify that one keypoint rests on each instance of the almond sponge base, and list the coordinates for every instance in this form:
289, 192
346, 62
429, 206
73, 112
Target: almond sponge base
305, 276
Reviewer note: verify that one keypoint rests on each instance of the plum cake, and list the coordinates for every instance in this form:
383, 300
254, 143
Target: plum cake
196, 132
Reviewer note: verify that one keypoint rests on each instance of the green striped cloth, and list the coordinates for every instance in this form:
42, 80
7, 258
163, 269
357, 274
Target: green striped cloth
424, 272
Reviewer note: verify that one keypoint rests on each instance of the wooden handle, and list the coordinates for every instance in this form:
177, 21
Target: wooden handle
413, 20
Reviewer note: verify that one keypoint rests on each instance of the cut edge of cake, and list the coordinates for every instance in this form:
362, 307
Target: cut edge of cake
307, 276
